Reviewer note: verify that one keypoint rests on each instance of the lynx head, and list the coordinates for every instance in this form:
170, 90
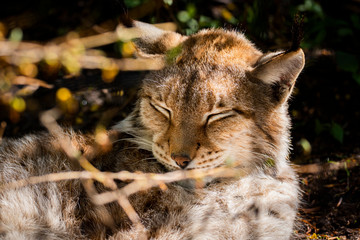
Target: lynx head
218, 100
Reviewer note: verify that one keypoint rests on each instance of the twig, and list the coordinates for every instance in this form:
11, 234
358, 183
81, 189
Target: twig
22, 80
141, 181
125, 64
49, 120
331, 166
52, 177
144, 181
34, 52
155, 179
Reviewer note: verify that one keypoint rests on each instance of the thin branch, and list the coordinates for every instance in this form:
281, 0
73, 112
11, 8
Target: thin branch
144, 181
52, 177
22, 80
330, 166
49, 121
153, 178
124, 64
33, 52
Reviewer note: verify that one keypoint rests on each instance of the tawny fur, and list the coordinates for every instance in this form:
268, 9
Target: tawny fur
219, 101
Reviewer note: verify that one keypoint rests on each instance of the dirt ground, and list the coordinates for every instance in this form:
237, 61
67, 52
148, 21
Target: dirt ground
331, 207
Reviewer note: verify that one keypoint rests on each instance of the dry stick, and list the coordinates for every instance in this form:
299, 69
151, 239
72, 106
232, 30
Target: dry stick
144, 181
153, 179
101, 210
331, 166
121, 33
122, 200
52, 177
48, 119
157, 178
22, 80
33, 52
110, 36
85, 60
125, 64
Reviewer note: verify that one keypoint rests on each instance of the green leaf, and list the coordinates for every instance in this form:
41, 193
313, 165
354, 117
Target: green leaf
191, 9
172, 54
343, 32
204, 21
355, 20
189, 31
319, 127
347, 62
168, 2
311, 6
193, 25
132, 3
346, 169
183, 16
320, 37
233, 20
356, 76
306, 146
250, 14
317, 9
16, 35
337, 132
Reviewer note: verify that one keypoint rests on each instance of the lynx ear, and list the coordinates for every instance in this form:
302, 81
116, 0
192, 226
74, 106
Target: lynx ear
280, 71
154, 40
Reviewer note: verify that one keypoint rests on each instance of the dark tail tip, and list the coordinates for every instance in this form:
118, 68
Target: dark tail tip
297, 31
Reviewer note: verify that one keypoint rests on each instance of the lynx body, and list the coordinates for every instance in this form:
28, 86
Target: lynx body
218, 102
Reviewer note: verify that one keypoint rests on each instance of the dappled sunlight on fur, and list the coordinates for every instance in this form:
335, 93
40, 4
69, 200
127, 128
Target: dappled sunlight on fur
203, 155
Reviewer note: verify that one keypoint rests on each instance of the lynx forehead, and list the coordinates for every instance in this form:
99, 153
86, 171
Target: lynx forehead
218, 47
209, 67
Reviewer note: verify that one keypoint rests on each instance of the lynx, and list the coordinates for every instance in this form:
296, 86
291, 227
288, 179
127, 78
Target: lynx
218, 102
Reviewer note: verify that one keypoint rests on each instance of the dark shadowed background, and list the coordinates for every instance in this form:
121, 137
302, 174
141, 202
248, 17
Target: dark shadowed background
325, 108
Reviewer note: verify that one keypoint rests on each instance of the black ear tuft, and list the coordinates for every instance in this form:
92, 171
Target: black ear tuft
118, 9
297, 31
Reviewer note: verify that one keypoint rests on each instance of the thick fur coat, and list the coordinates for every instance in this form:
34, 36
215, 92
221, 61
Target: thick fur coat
218, 102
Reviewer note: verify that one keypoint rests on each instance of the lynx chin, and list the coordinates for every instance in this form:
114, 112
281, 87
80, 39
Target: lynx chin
218, 102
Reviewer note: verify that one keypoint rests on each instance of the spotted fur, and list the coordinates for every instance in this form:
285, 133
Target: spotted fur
219, 101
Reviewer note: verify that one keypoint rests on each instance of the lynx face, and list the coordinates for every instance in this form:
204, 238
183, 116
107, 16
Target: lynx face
218, 101
195, 116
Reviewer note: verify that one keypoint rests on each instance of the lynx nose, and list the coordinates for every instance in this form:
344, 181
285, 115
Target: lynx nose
182, 160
